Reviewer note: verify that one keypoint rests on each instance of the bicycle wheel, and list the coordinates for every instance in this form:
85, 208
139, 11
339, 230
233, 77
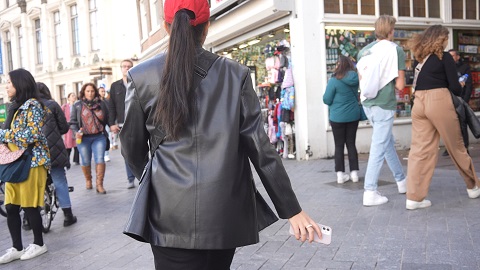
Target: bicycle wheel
46, 211
3, 212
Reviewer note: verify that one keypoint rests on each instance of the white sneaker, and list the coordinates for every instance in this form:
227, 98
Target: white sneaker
402, 186
11, 254
342, 177
473, 193
354, 176
130, 185
373, 197
412, 205
106, 158
33, 251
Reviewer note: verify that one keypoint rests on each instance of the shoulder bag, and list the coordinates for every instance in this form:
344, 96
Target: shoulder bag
15, 165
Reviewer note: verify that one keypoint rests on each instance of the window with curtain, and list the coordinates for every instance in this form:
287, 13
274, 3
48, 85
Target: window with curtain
75, 32
8, 45
57, 29
94, 37
38, 41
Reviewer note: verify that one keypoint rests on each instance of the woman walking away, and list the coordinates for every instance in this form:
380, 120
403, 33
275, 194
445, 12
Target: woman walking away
341, 96
23, 127
69, 138
434, 117
201, 196
88, 120
55, 126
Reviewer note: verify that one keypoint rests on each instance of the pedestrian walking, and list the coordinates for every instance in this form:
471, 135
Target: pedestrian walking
201, 195
89, 117
23, 128
69, 138
341, 96
103, 96
434, 117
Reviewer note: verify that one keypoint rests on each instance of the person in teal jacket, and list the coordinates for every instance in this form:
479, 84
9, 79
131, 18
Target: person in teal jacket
341, 96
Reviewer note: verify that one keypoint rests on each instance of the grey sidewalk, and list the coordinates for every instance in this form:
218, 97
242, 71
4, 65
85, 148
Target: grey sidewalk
444, 236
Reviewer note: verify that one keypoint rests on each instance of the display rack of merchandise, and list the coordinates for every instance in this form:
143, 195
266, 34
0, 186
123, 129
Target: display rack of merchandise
469, 49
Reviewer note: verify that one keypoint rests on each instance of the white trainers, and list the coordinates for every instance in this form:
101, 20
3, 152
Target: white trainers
106, 158
354, 176
11, 254
130, 185
33, 251
412, 205
402, 186
373, 197
342, 177
473, 193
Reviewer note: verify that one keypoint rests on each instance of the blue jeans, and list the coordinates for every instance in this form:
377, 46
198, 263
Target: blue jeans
59, 179
92, 144
382, 147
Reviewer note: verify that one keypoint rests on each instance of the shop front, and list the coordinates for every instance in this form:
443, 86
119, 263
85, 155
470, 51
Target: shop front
261, 41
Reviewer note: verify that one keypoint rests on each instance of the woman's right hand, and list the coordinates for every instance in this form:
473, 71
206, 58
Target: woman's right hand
303, 225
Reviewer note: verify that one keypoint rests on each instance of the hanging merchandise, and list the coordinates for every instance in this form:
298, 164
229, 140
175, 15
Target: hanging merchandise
288, 98
288, 79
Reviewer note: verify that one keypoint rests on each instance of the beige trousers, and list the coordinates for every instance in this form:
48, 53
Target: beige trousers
433, 116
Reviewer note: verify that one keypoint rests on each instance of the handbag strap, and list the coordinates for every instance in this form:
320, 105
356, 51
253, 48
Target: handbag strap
418, 68
204, 63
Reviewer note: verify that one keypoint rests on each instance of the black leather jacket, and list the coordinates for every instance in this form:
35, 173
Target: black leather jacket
202, 188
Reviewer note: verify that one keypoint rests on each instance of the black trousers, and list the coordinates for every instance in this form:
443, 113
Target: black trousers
192, 259
76, 157
345, 133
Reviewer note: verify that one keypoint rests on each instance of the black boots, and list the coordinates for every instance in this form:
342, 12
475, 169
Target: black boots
69, 217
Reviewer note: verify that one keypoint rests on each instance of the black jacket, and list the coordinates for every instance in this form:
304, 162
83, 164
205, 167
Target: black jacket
202, 190
116, 104
462, 69
76, 119
55, 126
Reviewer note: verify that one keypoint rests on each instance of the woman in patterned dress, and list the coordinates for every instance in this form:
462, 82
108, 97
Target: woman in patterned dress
24, 127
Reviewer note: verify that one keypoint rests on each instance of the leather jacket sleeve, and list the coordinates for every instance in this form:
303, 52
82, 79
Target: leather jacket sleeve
74, 117
111, 106
264, 158
134, 130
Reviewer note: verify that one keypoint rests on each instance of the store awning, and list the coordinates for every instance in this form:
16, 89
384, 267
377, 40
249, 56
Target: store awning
251, 15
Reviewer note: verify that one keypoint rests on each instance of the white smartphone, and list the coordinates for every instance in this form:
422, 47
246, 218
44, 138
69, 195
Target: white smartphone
326, 234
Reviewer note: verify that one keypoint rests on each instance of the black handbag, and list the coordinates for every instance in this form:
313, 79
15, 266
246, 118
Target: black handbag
17, 171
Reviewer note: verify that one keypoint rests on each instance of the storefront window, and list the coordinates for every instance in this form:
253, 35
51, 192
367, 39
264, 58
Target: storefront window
349, 41
468, 45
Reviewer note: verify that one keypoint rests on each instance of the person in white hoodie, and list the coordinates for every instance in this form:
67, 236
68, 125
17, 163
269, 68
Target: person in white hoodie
380, 110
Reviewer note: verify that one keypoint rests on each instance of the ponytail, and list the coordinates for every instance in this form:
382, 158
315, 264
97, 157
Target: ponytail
176, 98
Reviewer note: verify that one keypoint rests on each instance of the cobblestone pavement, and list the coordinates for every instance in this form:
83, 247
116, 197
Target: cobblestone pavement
444, 236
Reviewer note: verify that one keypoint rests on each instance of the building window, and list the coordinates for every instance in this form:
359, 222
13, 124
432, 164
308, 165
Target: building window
93, 25
363, 7
386, 8
158, 7
57, 28
433, 9
61, 91
38, 41
7, 3
350, 7
471, 9
332, 6
77, 86
75, 33
144, 20
8, 45
21, 46
420, 8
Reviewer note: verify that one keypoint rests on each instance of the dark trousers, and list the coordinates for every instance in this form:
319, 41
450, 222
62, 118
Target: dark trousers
76, 157
345, 133
192, 259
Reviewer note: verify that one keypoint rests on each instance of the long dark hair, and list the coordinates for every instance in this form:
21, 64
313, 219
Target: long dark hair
82, 91
344, 65
44, 91
176, 98
25, 87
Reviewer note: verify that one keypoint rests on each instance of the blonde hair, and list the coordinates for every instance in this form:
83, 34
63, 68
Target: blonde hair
384, 25
429, 42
